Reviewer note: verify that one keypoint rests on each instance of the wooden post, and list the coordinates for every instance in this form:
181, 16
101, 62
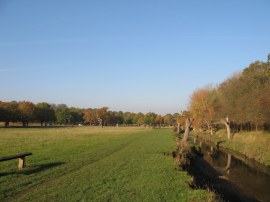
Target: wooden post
21, 163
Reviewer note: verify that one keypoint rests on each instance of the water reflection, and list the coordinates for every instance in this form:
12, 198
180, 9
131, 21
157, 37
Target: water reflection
251, 180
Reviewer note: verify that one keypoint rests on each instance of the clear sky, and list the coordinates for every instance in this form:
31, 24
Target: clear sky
141, 55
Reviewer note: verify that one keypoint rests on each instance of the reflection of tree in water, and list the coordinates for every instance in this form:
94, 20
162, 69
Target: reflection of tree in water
217, 159
229, 162
245, 175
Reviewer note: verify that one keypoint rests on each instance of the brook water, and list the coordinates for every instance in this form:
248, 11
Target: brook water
248, 176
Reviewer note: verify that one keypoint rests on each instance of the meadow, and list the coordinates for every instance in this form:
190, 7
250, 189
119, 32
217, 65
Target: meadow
93, 164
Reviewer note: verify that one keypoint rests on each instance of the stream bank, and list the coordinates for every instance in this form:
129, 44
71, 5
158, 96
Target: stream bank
254, 145
229, 177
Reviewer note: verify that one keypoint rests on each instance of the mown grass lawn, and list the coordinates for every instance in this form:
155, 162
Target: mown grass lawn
93, 164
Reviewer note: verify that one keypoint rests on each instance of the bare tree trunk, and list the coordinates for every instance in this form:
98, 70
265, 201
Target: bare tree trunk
178, 128
187, 128
6, 124
228, 127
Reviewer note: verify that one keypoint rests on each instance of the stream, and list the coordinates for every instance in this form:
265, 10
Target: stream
248, 176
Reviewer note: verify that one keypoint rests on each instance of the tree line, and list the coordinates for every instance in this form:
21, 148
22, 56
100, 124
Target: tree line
44, 113
241, 102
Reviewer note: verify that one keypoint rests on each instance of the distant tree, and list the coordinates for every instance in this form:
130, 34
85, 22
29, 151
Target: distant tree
180, 121
175, 117
9, 112
159, 120
115, 118
63, 115
44, 113
102, 115
140, 121
150, 118
168, 119
26, 112
119, 116
76, 116
57, 106
13, 112
128, 118
4, 114
89, 116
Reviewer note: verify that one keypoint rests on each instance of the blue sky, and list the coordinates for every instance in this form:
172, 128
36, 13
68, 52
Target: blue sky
127, 55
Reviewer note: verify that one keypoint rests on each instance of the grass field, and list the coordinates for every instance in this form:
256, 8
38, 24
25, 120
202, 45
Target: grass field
92, 164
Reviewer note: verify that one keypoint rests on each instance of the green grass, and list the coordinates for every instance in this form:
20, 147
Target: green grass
91, 164
255, 145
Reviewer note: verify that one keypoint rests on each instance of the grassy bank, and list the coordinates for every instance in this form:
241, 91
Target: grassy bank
83, 164
255, 145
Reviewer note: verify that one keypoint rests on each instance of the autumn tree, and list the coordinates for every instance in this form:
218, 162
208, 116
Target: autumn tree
89, 116
128, 118
240, 102
159, 120
102, 116
26, 112
256, 78
204, 106
265, 105
138, 119
168, 119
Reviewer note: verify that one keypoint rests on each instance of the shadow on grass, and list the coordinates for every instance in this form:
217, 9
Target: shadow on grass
33, 169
